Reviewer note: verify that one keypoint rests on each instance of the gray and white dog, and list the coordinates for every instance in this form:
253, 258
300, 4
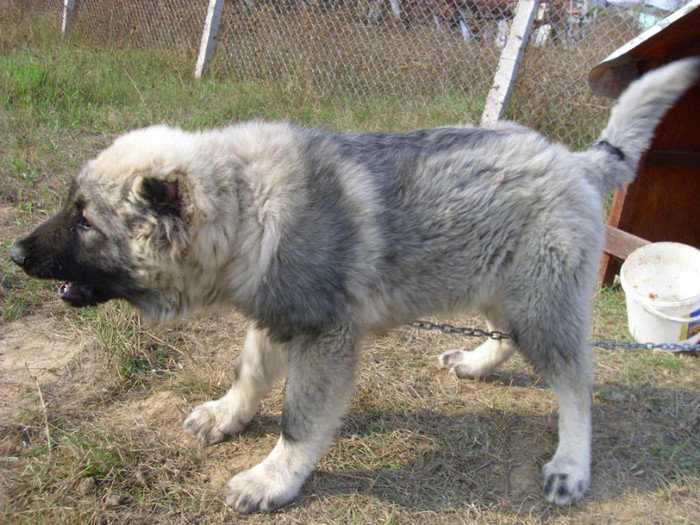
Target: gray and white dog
320, 237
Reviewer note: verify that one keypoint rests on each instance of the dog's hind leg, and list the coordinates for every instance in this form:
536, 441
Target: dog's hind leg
551, 330
568, 475
319, 385
486, 358
260, 364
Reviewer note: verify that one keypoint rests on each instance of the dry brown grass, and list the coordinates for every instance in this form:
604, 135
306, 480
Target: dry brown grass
100, 445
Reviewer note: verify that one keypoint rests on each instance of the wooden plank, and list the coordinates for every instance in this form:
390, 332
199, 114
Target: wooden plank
620, 243
511, 56
68, 8
209, 35
675, 160
609, 267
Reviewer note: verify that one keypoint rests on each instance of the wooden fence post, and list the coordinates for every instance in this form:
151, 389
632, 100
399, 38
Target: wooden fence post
209, 35
66, 22
511, 56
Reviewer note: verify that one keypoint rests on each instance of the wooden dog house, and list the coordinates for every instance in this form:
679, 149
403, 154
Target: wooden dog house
663, 204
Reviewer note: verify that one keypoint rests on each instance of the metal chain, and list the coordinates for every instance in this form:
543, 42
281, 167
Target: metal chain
608, 344
667, 347
471, 332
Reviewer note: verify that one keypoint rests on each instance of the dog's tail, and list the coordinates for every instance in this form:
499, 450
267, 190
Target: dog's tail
634, 118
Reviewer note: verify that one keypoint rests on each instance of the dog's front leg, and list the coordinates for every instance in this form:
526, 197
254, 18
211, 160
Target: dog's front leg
321, 378
261, 362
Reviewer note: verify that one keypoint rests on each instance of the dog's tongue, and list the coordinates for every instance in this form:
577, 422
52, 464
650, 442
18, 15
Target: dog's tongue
75, 293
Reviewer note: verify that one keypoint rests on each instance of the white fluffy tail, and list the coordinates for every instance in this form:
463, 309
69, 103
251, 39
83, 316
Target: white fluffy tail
636, 115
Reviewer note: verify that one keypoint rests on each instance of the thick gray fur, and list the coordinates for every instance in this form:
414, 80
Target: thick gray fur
320, 237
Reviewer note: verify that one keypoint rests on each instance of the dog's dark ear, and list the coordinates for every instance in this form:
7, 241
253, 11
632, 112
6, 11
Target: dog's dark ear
167, 235
162, 195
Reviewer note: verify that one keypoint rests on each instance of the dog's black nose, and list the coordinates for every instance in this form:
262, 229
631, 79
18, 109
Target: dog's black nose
17, 254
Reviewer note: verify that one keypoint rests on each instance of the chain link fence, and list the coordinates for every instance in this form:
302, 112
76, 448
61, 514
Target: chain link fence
359, 50
174, 25
426, 55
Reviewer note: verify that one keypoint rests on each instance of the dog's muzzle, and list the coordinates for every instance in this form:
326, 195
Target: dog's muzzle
74, 293
17, 255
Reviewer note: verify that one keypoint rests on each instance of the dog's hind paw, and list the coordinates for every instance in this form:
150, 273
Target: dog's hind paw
564, 482
262, 489
465, 365
210, 423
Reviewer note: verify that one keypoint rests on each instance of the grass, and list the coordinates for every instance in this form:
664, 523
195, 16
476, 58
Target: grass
92, 401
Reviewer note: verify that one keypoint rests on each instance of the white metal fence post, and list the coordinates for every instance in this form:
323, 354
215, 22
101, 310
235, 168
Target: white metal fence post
209, 35
503, 80
68, 8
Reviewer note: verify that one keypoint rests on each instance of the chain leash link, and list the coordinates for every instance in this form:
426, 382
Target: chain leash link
469, 332
607, 344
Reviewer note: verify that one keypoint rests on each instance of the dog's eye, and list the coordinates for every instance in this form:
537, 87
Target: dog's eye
82, 224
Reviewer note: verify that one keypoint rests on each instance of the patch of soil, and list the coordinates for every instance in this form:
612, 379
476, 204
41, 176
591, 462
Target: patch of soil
38, 356
37, 347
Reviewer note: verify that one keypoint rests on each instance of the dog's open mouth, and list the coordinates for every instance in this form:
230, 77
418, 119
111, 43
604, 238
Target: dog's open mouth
80, 294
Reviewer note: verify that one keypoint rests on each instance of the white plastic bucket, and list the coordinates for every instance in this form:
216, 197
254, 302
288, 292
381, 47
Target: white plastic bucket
662, 288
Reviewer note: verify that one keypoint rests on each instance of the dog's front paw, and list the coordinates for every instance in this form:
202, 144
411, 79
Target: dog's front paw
203, 424
210, 423
262, 489
565, 481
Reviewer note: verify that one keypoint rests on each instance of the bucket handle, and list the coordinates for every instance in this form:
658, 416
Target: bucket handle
649, 308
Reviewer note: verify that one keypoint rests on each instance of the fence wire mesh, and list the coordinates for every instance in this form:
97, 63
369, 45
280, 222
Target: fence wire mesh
427, 55
357, 50
161, 24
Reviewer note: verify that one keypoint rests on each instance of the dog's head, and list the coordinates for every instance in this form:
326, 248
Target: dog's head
125, 222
